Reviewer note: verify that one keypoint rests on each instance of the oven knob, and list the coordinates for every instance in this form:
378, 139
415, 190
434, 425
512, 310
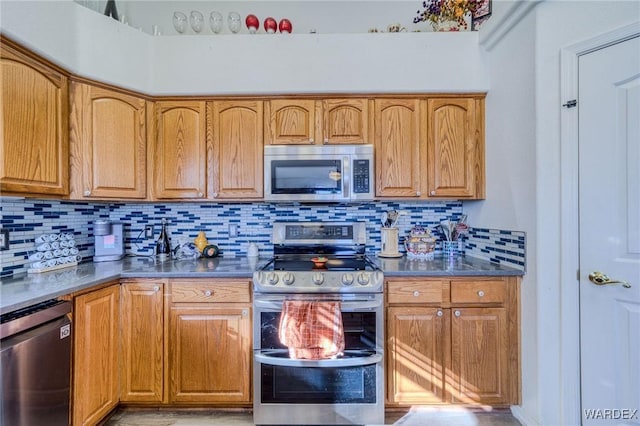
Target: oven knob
272, 278
317, 279
347, 279
288, 278
363, 279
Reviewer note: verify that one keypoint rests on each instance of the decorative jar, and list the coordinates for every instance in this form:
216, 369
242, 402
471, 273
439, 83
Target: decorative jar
420, 243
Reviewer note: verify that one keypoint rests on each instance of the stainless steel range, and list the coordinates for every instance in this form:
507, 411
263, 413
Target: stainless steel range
319, 262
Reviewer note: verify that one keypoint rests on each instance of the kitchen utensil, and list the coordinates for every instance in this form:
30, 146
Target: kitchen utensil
384, 218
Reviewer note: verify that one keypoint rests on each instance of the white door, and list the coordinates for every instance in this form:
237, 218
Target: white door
609, 167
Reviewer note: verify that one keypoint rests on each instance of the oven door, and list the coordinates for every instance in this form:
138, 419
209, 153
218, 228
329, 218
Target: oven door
345, 390
306, 178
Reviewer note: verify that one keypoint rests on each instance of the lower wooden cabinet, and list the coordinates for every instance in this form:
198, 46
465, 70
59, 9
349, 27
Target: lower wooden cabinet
142, 348
453, 341
210, 335
95, 354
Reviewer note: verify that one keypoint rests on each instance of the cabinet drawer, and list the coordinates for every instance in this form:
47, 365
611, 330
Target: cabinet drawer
210, 292
490, 291
417, 291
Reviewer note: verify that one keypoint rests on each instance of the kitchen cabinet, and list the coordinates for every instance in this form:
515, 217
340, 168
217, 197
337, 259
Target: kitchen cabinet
396, 136
95, 354
35, 124
316, 121
453, 341
178, 149
108, 142
210, 335
455, 148
236, 169
142, 349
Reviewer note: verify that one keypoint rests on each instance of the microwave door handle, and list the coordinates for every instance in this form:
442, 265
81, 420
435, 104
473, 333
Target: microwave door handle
346, 172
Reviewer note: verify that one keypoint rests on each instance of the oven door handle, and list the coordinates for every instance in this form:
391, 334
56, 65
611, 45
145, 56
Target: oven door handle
355, 306
337, 362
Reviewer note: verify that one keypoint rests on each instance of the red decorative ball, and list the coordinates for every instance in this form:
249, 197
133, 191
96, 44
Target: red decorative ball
285, 26
253, 23
270, 25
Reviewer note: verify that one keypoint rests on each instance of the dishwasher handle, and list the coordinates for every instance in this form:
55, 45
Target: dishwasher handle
24, 319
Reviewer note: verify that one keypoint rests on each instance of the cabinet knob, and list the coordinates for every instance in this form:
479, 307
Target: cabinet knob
87, 192
208, 293
325, 141
439, 313
200, 194
480, 293
311, 141
214, 194
456, 313
156, 288
245, 312
433, 192
416, 293
418, 193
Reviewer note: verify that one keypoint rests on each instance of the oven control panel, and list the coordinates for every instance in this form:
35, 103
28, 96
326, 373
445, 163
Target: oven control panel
318, 282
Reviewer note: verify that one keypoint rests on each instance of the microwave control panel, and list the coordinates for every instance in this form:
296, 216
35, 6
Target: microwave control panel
361, 176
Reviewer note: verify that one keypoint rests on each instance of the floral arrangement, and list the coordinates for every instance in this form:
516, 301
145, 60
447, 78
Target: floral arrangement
438, 11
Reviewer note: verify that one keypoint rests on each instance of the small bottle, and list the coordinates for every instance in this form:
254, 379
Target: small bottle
163, 246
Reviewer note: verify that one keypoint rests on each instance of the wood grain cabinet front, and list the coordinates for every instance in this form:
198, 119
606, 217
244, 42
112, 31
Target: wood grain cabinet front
142, 324
108, 142
95, 354
178, 149
34, 156
210, 335
453, 341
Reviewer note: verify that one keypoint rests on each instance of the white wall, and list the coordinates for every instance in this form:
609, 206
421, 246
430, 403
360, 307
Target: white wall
95, 46
524, 185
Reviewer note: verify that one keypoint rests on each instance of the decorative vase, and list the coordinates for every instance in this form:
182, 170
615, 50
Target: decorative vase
442, 26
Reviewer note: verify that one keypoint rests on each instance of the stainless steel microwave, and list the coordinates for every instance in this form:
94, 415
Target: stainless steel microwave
323, 173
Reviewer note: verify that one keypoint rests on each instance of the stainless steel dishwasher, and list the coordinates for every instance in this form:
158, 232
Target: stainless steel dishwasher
35, 350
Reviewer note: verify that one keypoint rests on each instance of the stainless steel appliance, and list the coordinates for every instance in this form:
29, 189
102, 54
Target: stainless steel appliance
331, 173
109, 243
35, 352
348, 389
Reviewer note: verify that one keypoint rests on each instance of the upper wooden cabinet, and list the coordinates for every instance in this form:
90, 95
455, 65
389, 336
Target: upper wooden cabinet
178, 149
397, 149
455, 148
308, 121
108, 142
235, 170
34, 157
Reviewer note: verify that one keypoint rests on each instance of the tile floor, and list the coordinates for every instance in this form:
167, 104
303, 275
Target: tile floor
417, 416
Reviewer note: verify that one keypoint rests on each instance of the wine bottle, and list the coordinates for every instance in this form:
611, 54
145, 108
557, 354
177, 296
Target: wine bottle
163, 246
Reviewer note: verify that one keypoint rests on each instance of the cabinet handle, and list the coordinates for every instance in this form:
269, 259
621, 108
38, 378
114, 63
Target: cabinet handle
87, 192
416, 293
439, 313
480, 293
456, 313
156, 288
208, 293
245, 312
418, 193
311, 141
433, 193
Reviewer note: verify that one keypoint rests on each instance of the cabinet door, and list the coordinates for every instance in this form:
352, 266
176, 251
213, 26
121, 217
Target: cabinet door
455, 146
292, 121
396, 139
179, 149
108, 142
417, 348
479, 356
142, 349
346, 121
210, 353
95, 355
34, 156
237, 149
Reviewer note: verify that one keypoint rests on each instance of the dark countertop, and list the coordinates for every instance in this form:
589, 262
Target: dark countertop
25, 290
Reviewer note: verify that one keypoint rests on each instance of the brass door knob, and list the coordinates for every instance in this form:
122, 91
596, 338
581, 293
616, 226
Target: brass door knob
599, 278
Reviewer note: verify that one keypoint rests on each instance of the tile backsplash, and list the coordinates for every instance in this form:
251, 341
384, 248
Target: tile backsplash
26, 219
